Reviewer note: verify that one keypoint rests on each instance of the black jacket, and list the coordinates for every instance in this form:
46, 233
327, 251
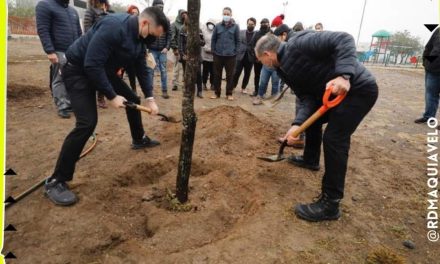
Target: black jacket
432, 48
183, 39
112, 43
260, 33
164, 41
311, 59
91, 16
57, 25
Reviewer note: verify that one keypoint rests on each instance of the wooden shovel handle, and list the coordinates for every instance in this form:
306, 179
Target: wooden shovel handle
138, 107
327, 104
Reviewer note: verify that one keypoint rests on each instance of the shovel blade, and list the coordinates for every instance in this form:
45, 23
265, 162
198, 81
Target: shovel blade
272, 158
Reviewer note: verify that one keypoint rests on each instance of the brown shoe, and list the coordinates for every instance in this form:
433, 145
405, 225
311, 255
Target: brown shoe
230, 98
214, 97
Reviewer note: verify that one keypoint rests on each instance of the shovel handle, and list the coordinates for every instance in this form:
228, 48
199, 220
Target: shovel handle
138, 107
327, 104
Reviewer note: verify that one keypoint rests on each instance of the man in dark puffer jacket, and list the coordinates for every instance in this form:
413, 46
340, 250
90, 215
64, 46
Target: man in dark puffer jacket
58, 27
310, 63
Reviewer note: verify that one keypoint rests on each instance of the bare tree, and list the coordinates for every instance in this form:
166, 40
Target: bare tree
189, 116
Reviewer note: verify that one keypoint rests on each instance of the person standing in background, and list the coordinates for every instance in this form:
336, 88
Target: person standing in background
175, 31
224, 44
96, 10
159, 50
244, 57
277, 21
207, 56
264, 29
58, 27
319, 27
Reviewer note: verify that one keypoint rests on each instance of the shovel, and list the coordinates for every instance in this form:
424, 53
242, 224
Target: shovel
148, 110
326, 105
277, 100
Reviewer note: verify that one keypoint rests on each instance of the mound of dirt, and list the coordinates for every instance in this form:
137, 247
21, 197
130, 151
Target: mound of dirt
20, 92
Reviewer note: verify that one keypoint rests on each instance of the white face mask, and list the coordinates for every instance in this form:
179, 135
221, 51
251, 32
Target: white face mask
210, 26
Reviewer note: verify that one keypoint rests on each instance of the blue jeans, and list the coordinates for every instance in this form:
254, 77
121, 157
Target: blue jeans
266, 74
432, 91
161, 61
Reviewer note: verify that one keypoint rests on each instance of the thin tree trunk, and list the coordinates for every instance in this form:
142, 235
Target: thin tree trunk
189, 116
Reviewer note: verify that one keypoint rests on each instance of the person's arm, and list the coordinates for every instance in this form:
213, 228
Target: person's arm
78, 24
44, 24
237, 38
140, 67
106, 38
174, 36
327, 44
169, 35
202, 39
430, 45
214, 39
182, 44
89, 18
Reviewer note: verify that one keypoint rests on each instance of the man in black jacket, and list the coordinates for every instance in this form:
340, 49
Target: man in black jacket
92, 64
264, 29
244, 55
310, 63
432, 77
58, 27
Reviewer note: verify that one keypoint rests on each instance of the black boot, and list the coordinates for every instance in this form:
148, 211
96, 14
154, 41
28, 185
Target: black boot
323, 209
58, 192
299, 161
145, 142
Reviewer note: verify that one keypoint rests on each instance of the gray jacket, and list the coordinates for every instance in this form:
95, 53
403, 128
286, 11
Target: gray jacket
207, 35
225, 39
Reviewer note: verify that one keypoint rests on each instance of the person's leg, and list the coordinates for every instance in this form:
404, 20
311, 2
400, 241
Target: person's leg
275, 83
257, 72
199, 81
83, 102
237, 72
432, 90
211, 74
247, 73
205, 74
264, 81
343, 121
163, 71
175, 74
218, 68
59, 93
229, 67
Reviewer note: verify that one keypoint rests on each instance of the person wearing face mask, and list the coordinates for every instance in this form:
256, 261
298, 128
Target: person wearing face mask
58, 27
225, 44
313, 63
159, 49
207, 56
244, 57
264, 29
175, 33
93, 60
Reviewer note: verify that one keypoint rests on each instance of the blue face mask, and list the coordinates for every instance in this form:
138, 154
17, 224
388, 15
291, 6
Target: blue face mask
226, 18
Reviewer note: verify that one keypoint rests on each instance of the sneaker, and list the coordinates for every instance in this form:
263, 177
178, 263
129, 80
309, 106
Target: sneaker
299, 161
257, 101
63, 113
59, 193
165, 95
230, 98
199, 95
145, 142
421, 120
214, 97
324, 208
175, 87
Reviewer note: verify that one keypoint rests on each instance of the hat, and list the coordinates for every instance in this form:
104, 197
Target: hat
278, 20
281, 29
157, 2
131, 8
264, 20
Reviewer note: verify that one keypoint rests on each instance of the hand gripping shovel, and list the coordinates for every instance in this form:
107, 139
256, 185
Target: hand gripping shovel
148, 110
326, 105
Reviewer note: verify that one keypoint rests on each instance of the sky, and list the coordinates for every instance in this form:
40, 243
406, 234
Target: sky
335, 15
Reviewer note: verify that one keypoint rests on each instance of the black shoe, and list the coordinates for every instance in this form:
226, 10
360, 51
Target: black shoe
323, 209
145, 142
175, 88
165, 95
421, 120
199, 95
299, 161
59, 193
254, 94
63, 114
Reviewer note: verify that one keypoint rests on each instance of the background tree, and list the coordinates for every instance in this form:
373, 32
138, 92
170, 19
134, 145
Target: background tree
403, 44
189, 116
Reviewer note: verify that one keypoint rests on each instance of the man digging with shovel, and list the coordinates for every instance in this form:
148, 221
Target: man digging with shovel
93, 60
312, 62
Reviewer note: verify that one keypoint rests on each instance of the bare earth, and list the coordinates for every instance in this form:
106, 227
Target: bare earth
242, 206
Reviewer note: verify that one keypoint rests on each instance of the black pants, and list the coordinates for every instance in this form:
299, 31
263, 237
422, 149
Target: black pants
83, 98
199, 76
257, 72
227, 62
208, 72
342, 122
247, 66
